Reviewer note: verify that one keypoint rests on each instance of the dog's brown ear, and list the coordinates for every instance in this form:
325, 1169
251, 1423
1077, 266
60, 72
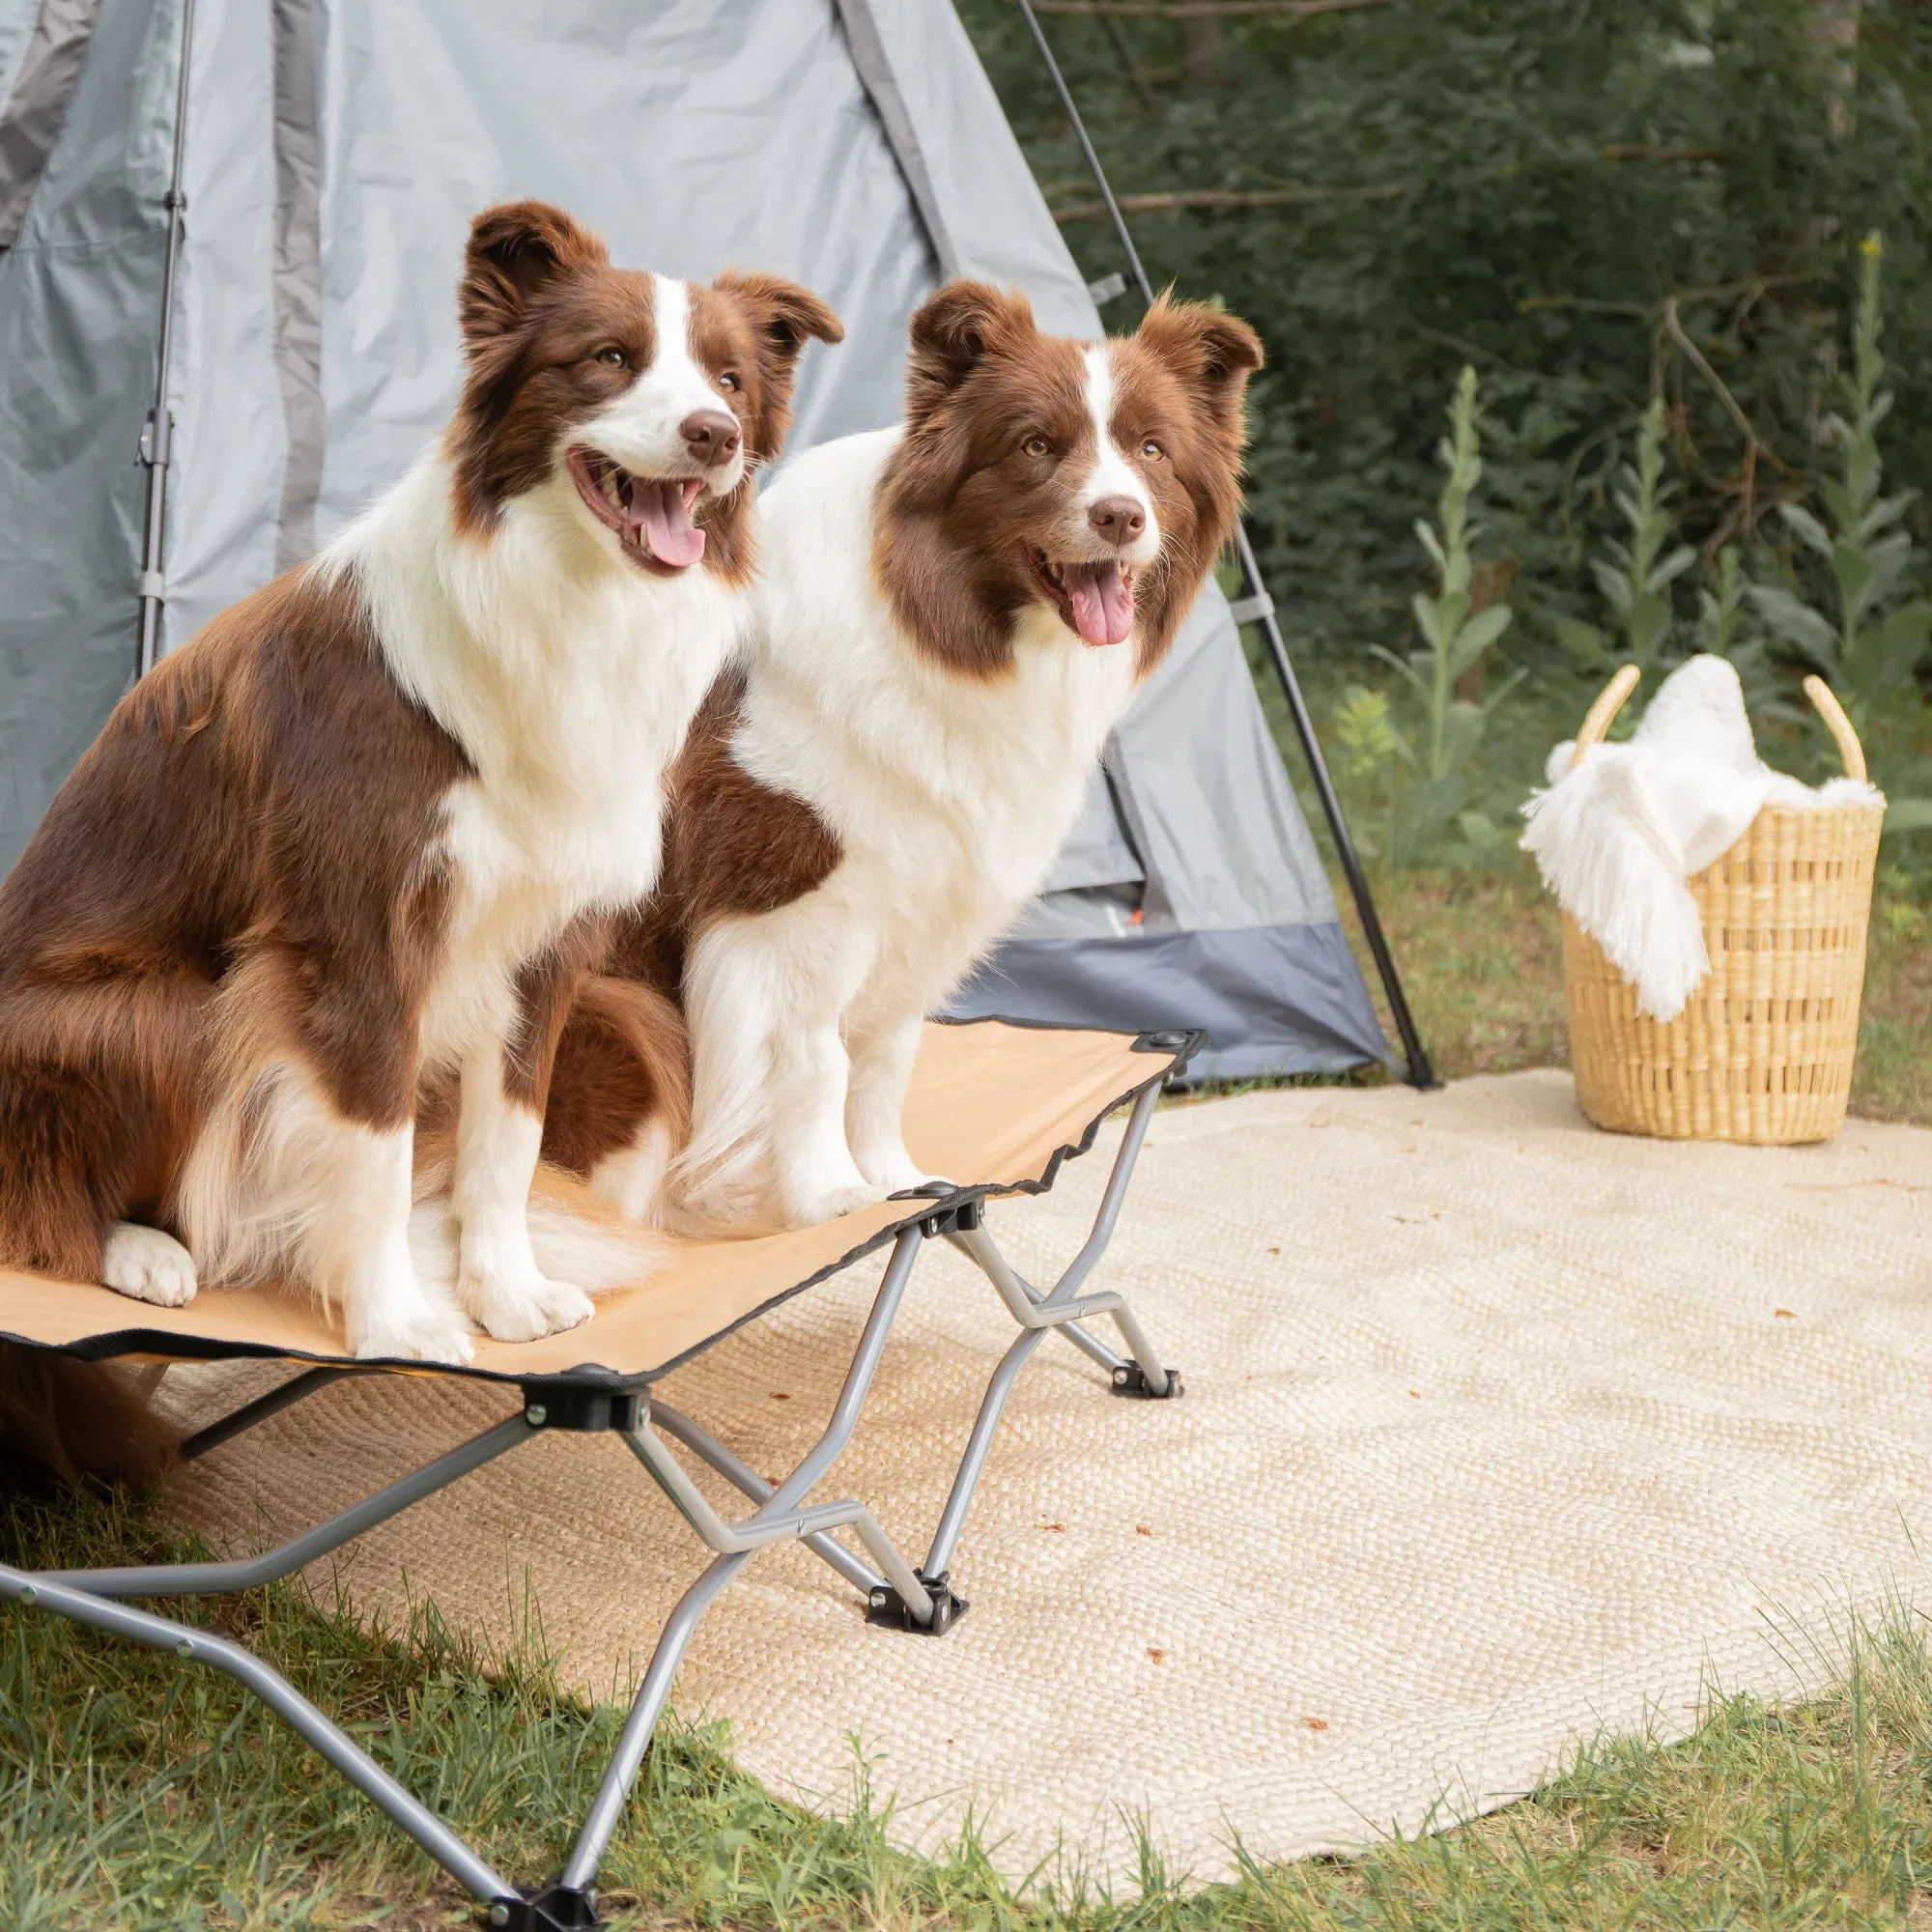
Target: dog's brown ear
514, 250
1213, 352
784, 318
952, 334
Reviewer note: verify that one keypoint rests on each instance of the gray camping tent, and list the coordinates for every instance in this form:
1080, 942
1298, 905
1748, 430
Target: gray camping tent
334, 152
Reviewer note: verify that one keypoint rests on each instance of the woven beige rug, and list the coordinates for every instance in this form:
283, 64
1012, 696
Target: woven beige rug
1498, 1431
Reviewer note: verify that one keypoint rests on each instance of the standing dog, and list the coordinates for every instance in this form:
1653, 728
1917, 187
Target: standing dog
363, 830
953, 617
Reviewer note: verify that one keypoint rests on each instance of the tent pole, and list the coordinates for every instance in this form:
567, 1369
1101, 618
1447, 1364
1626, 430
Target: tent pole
157, 434
1255, 600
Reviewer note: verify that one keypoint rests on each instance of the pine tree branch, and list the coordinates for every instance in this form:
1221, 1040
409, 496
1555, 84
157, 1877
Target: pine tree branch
1202, 10
1222, 197
1645, 151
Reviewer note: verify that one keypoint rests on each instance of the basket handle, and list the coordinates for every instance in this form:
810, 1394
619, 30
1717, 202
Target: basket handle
1611, 700
1828, 707
1599, 716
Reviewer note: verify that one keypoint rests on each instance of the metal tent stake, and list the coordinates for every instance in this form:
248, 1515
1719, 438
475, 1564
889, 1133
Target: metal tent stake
1256, 606
157, 434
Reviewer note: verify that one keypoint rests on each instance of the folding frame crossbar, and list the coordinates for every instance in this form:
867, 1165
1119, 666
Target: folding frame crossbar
898, 1594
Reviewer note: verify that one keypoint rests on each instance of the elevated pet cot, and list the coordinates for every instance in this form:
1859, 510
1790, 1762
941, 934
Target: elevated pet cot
1002, 1101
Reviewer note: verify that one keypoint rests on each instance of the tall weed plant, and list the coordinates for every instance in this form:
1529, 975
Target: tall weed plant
1636, 578
1418, 761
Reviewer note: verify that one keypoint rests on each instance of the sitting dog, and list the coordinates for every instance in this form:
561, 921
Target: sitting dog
953, 617
359, 835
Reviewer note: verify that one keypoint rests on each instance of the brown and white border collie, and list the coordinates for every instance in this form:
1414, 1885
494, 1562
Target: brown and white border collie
358, 836
953, 615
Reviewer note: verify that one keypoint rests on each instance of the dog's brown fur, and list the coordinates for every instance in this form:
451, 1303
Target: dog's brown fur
242, 869
960, 502
185, 902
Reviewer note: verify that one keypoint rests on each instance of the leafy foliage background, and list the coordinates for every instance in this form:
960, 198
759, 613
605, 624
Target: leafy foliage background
1520, 184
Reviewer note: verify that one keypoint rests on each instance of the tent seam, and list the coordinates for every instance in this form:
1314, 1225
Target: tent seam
297, 280
868, 48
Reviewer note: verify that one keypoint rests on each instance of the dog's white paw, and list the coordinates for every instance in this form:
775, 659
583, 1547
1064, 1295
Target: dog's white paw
148, 1266
891, 1169
525, 1309
808, 1208
425, 1332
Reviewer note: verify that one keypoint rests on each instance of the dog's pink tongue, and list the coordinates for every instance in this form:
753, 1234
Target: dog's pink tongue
1103, 601
664, 515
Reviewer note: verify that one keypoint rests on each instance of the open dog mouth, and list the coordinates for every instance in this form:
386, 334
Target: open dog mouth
1097, 599
652, 515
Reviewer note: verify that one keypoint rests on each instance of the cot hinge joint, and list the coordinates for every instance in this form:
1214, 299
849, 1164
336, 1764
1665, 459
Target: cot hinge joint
961, 1219
555, 1907
584, 1410
887, 1609
1132, 1379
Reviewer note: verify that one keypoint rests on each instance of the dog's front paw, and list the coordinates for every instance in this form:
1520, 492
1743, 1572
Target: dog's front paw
148, 1265
526, 1309
425, 1332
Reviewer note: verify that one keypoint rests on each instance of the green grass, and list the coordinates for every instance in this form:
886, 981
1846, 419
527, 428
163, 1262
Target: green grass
1481, 957
134, 1794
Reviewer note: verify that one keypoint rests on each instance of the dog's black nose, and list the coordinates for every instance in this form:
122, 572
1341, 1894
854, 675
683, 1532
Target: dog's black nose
712, 436
1120, 520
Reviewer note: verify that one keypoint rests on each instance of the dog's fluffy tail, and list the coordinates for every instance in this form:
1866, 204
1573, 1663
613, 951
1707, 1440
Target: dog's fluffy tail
69, 1422
574, 1237
721, 1177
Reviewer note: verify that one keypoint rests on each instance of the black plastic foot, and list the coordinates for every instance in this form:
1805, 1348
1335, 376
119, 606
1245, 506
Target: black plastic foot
1130, 1378
555, 1907
887, 1609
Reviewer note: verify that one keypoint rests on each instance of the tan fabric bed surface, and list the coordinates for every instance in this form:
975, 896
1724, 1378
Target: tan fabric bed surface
990, 1104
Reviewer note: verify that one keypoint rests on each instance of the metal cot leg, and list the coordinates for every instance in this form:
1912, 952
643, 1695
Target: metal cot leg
401, 1806
781, 1517
1140, 1371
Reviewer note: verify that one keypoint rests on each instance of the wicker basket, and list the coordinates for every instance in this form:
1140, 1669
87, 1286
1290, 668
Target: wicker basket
1763, 1049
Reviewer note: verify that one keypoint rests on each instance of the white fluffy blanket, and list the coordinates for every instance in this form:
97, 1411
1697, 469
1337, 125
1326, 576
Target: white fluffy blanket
1616, 835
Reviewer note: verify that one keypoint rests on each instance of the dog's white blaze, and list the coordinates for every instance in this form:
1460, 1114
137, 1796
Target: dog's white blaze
1112, 474
641, 427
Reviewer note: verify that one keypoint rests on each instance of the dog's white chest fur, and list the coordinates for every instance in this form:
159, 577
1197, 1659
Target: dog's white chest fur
949, 796
568, 688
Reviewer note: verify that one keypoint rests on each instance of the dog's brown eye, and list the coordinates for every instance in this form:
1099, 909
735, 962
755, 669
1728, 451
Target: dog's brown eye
1034, 446
614, 358
727, 381
1151, 448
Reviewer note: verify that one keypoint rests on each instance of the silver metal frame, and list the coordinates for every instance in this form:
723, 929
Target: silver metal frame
782, 1512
